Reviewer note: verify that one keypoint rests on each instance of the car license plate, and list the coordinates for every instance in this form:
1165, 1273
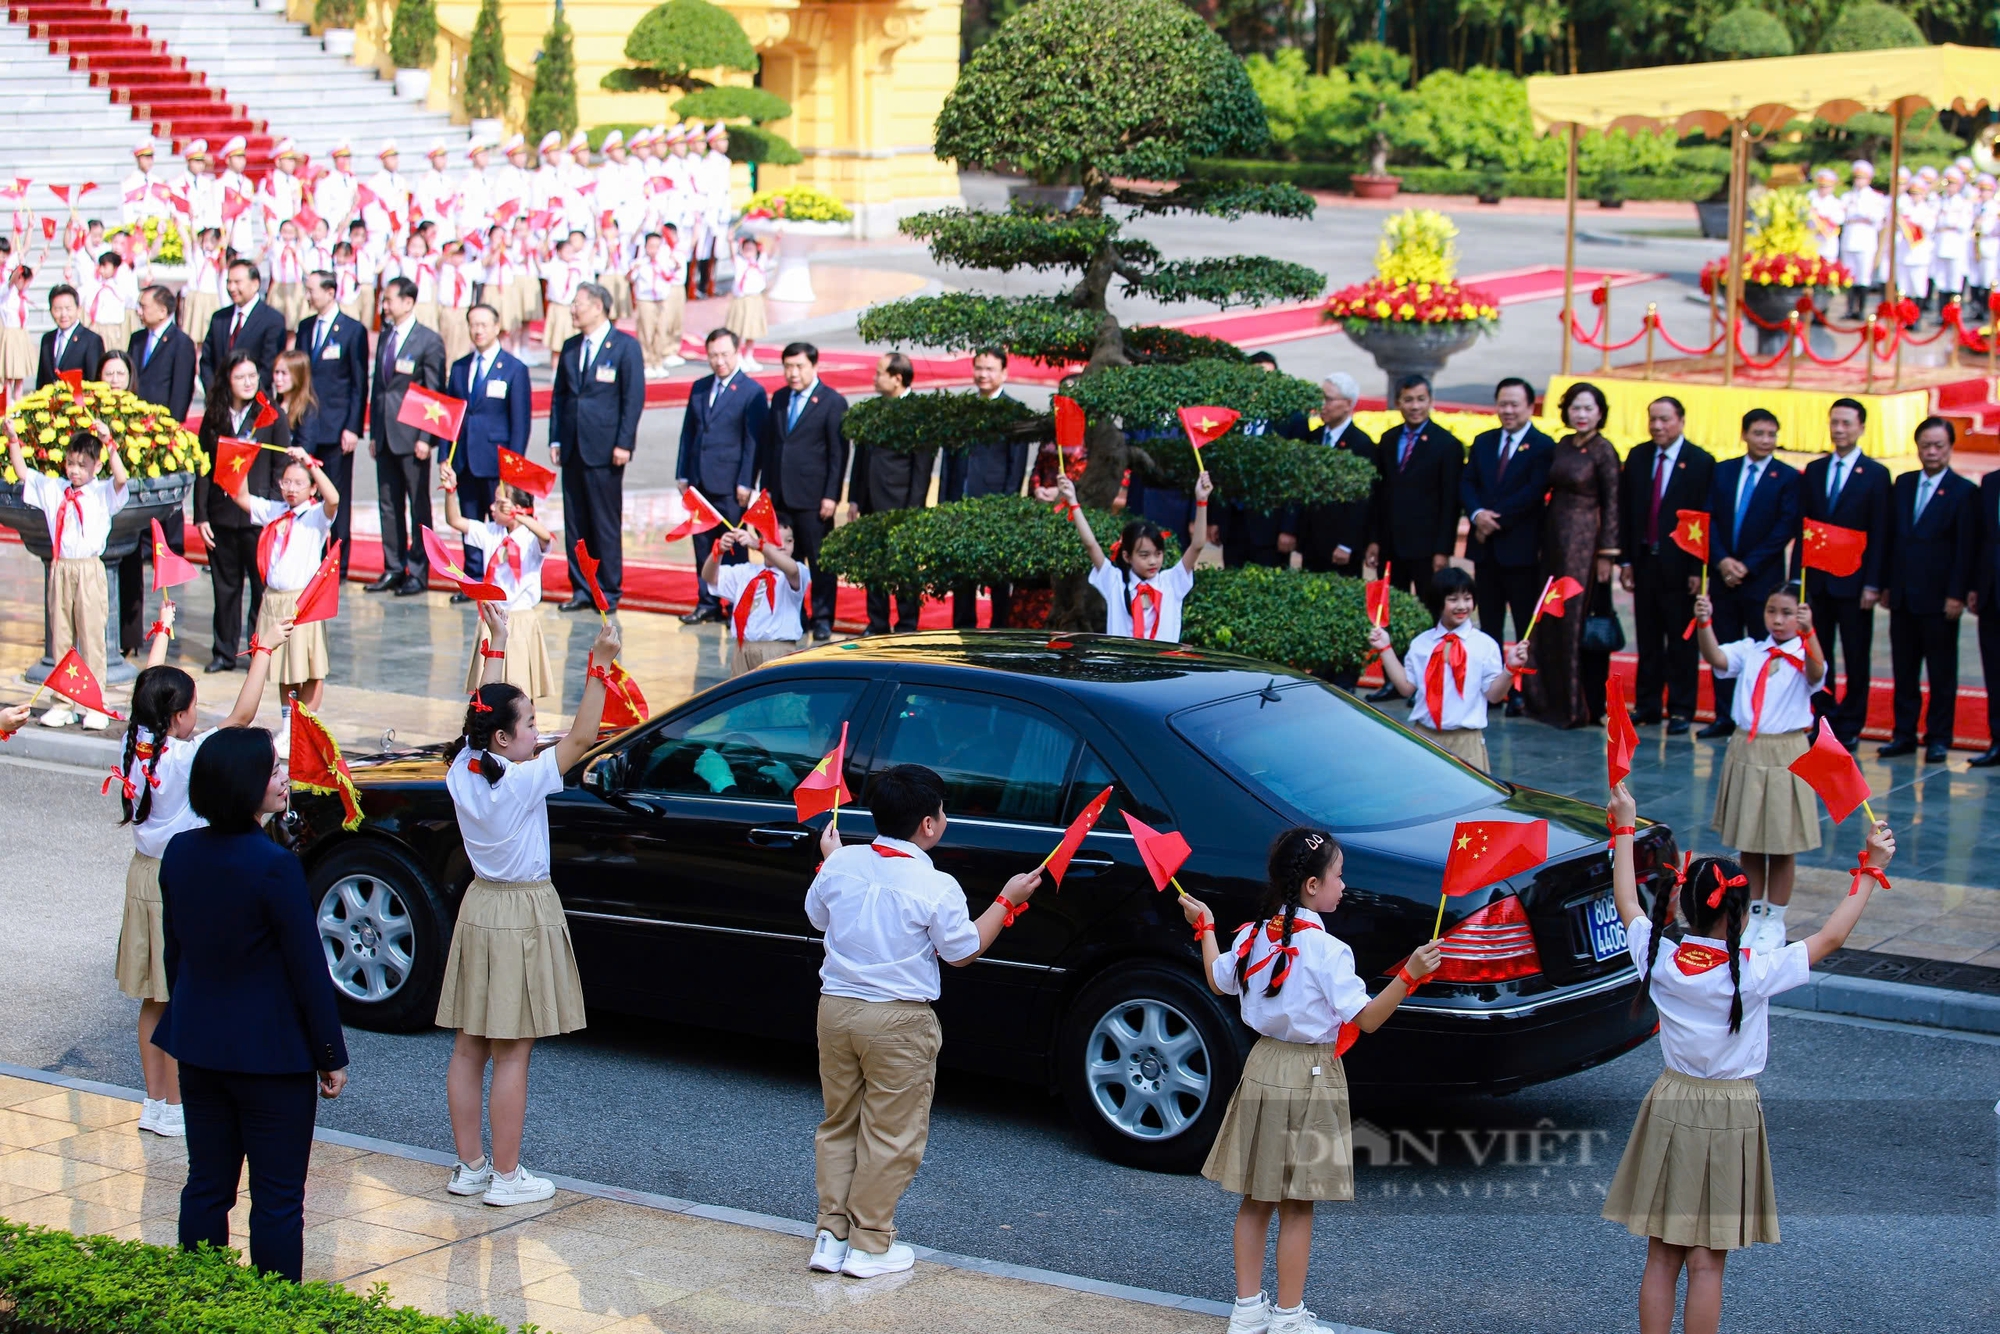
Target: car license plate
1607, 930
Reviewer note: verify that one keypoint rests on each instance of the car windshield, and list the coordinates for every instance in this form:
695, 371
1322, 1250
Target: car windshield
1330, 760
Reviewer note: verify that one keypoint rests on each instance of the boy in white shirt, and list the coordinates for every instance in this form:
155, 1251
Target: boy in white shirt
1452, 671
888, 916
769, 599
79, 515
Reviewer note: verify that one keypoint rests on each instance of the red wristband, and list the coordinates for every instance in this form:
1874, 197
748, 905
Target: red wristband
255, 648
1622, 831
1203, 928
1410, 984
157, 629
486, 652
1012, 909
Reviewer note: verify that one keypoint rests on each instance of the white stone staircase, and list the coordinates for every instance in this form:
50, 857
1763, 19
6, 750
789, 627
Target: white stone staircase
55, 127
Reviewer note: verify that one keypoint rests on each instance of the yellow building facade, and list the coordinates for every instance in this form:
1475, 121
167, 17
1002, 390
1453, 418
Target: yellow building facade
865, 79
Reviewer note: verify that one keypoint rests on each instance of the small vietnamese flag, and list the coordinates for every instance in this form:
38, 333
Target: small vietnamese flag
1691, 532
524, 474
1069, 422
235, 205
74, 379
763, 516
319, 600
305, 218
1622, 738
1206, 424
1829, 770
624, 705
316, 764
232, 462
440, 555
48, 229
72, 679
588, 565
825, 788
1057, 862
1485, 851
169, 569
266, 414
1832, 548
1163, 852
438, 414
1376, 593
1559, 592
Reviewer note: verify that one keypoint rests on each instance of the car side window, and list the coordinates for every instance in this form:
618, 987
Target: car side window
755, 745
1093, 775
999, 759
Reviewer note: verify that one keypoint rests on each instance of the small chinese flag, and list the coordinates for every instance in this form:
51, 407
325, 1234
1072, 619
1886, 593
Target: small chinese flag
305, 218
1069, 422
1484, 851
170, 570
825, 788
48, 229
588, 565
233, 458
72, 679
316, 764
1376, 592
523, 473
1829, 770
319, 600
439, 414
763, 516
701, 513
624, 705
235, 205
74, 379
1560, 592
441, 558
266, 414
1832, 548
1163, 852
1072, 839
1691, 532
1622, 739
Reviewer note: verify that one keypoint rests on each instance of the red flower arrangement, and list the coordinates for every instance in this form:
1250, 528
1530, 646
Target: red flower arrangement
1379, 301
1781, 271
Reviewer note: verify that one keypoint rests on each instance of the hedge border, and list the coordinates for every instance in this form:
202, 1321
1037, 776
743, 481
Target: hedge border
1686, 186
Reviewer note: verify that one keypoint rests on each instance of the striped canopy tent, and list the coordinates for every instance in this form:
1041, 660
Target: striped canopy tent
1748, 99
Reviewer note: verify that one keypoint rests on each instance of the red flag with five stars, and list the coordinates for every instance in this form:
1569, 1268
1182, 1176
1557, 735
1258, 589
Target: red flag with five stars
319, 600
525, 474
1832, 548
824, 789
1072, 839
763, 516
1829, 770
439, 414
1485, 851
72, 679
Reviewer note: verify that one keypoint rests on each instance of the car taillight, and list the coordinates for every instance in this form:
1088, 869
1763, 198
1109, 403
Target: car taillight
1495, 944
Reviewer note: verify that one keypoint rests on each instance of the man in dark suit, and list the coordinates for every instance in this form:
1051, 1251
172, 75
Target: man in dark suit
70, 346
248, 324
1983, 597
1848, 490
890, 479
600, 391
1333, 538
1926, 574
1665, 475
1254, 537
1415, 527
337, 345
163, 363
1753, 515
804, 464
719, 441
998, 468
407, 353
494, 384
1502, 488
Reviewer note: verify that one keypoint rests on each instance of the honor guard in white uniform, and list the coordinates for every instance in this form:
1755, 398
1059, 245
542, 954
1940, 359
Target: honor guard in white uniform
195, 187
545, 187
434, 197
1916, 247
579, 185
513, 183
1864, 215
1825, 213
141, 190
389, 215
1956, 206
1986, 245
281, 195
474, 191
238, 233
334, 193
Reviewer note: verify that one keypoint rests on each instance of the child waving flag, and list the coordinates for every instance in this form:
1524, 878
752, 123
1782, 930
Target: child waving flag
1142, 594
515, 544
296, 527
1454, 670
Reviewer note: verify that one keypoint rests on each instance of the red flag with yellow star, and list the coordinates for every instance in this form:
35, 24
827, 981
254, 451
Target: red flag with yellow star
233, 458
1560, 591
438, 414
73, 680
170, 570
316, 764
1485, 851
1206, 424
1829, 547
824, 789
1691, 532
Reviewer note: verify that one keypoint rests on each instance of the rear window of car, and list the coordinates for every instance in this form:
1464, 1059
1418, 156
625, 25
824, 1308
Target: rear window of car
1330, 760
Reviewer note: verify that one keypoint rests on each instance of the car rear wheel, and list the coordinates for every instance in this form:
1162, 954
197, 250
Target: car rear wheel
383, 928
1148, 1061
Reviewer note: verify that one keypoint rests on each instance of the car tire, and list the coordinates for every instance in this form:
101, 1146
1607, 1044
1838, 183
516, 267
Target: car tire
386, 930
1147, 1061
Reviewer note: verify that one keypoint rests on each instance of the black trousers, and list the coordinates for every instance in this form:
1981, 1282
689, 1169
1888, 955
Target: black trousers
594, 513
1669, 664
269, 1120
705, 542
1414, 576
907, 606
232, 562
403, 483
965, 605
1924, 643
808, 531
1739, 611
1989, 666
1504, 588
132, 583
338, 464
1840, 623
475, 502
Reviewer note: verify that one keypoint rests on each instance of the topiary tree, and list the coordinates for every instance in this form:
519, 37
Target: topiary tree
681, 37
552, 103
337, 13
1747, 33
487, 79
413, 34
1871, 26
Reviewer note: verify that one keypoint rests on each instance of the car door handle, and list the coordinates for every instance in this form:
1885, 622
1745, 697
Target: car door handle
1090, 863
773, 836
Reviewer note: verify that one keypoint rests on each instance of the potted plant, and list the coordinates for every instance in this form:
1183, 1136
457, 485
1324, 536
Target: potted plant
1492, 185
1412, 316
1610, 191
487, 79
1781, 265
413, 47
1379, 102
161, 455
336, 20
802, 217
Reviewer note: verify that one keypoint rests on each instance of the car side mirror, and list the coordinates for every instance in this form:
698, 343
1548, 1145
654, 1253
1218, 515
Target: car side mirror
605, 775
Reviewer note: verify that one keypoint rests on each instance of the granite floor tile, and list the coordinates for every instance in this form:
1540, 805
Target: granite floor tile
451, 1218
89, 1111
18, 1130
128, 1150
46, 1171
59, 1210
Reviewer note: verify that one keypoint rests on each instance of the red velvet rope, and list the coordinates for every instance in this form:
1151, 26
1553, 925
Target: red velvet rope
1751, 361
1683, 348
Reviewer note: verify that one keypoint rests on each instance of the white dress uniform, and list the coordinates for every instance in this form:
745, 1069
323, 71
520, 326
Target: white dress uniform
390, 213
1986, 227
1827, 212
139, 201
1956, 208
712, 180
241, 234
474, 210
333, 199
1916, 248
434, 198
1864, 212
279, 199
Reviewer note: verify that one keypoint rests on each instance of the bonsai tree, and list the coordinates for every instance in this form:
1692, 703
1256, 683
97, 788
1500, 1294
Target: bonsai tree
552, 103
672, 42
1381, 105
1868, 25
413, 34
487, 81
1747, 33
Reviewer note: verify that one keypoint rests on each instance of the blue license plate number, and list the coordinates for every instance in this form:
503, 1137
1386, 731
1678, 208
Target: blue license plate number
1605, 927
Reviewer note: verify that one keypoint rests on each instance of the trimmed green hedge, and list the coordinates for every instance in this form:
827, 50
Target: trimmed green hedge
55, 1283
953, 418
1263, 473
1314, 622
1449, 181
991, 539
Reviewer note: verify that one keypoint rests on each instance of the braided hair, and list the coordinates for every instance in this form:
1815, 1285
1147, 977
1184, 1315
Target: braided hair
1296, 856
1121, 551
1713, 891
160, 695
494, 707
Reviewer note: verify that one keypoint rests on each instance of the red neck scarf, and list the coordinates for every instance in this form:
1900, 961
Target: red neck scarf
72, 500
1448, 651
1772, 657
882, 851
1145, 597
1694, 959
768, 581
272, 541
510, 551
1274, 931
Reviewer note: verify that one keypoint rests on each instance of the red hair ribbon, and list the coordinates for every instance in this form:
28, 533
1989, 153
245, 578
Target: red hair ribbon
1874, 873
1715, 895
159, 628
1117, 545
1012, 910
118, 776
479, 706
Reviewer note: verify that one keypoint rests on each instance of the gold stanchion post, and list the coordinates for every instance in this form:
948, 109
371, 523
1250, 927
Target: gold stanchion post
1652, 325
1791, 348
1605, 289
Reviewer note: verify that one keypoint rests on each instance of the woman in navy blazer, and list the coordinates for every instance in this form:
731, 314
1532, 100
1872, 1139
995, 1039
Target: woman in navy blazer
253, 1020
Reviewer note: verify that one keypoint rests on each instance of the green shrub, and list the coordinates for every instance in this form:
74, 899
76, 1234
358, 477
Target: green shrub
1314, 622
1681, 184
552, 104
955, 420
1264, 473
55, 1283
673, 41
1870, 26
488, 83
1144, 397
991, 539
338, 13
1747, 33
754, 143
732, 103
413, 34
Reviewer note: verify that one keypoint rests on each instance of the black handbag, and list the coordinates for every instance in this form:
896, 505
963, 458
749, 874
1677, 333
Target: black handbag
1603, 634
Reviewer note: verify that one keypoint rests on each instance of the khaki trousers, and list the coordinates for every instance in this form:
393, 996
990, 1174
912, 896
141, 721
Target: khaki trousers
660, 326
1468, 743
78, 605
877, 1070
754, 653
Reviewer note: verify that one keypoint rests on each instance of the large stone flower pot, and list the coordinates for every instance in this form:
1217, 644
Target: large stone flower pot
149, 498
1401, 348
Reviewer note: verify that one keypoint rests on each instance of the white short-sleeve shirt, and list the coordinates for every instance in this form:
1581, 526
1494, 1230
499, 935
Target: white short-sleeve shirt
888, 916
95, 503
1694, 1003
505, 825
492, 539
169, 813
1321, 992
296, 553
1787, 696
785, 621
1172, 584
1462, 708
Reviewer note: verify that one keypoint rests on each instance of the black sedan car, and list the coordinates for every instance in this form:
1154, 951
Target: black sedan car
683, 870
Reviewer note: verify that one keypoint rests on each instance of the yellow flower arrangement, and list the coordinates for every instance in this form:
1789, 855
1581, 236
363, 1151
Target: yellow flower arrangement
152, 442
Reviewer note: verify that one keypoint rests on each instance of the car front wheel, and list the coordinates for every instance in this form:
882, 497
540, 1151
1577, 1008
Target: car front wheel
384, 930
1148, 1063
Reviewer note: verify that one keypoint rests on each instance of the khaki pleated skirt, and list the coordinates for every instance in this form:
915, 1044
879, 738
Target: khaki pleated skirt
511, 972
620, 288
1286, 1135
527, 661
142, 937
746, 317
1697, 1170
1467, 743
1760, 804
197, 309
557, 326
303, 657
18, 354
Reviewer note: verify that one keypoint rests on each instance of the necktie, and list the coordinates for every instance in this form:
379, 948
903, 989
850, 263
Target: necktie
152, 342
235, 326
1409, 447
62, 345
1926, 488
1144, 598
320, 326
479, 369
388, 353
1772, 657
1448, 652
72, 500
1506, 456
1748, 488
1659, 494
740, 613
1836, 478
793, 409
715, 390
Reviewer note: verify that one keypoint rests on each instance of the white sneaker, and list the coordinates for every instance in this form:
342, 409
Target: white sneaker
673, 361
59, 715
1773, 938
93, 721
1250, 1315
867, 1264
149, 1113
1298, 1320
169, 1121
829, 1252
471, 1180
524, 1188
